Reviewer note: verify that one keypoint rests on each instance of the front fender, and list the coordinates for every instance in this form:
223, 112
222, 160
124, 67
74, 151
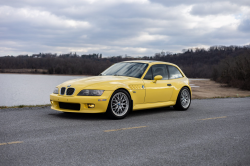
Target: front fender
137, 93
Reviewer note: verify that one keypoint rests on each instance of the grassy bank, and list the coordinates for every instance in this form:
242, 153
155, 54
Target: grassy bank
25, 71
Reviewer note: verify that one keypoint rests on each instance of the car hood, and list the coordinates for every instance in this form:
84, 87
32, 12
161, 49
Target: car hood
97, 80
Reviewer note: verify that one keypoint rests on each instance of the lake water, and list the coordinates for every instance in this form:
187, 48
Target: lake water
27, 89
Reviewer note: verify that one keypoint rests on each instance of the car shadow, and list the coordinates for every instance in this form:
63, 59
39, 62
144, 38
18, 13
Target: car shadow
80, 116
102, 116
152, 111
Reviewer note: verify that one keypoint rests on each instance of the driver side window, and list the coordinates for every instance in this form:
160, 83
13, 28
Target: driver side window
155, 70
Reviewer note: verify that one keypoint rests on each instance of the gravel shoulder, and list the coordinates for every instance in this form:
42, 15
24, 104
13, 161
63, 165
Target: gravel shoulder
205, 88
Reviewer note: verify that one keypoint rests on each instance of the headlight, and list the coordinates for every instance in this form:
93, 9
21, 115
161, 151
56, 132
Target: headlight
90, 93
55, 91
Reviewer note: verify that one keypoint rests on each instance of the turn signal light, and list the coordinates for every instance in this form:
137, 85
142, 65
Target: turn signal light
91, 105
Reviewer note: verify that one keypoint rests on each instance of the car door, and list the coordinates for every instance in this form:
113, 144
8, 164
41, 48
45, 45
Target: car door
161, 90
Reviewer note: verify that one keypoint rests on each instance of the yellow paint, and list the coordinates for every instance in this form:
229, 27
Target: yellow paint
125, 128
148, 94
153, 105
16, 142
158, 92
215, 118
9, 143
156, 78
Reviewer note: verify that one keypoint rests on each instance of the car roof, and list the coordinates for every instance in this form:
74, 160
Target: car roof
150, 61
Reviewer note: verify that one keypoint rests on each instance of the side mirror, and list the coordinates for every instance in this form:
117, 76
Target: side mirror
158, 77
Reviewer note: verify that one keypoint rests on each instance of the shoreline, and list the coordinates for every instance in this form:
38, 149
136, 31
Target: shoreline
82, 75
49, 74
201, 89
22, 106
35, 72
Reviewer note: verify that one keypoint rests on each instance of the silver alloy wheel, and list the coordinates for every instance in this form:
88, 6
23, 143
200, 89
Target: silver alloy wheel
185, 98
119, 104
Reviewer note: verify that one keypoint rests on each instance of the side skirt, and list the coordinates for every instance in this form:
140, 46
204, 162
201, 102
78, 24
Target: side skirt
153, 105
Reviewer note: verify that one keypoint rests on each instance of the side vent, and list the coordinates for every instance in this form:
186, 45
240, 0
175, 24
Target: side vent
134, 87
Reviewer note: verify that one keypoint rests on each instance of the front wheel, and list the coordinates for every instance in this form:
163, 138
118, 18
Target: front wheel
119, 105
184, 99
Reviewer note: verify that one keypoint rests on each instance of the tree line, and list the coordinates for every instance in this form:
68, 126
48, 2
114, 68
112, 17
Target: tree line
225, 64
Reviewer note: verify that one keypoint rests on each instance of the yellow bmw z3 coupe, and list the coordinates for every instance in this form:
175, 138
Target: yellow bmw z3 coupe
124, 87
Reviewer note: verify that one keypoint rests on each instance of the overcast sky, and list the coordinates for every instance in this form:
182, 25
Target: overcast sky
119, 27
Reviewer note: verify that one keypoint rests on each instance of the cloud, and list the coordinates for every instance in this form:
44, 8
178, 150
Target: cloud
194, 2
217, 8
111, 27
245, 25
36, 18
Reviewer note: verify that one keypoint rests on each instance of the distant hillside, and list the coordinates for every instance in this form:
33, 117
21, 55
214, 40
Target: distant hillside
199, 63
223, 64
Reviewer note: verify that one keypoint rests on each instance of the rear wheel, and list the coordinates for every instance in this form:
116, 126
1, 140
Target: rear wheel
184, 99
119, 105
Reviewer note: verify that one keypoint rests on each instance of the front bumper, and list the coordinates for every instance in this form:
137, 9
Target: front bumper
100, 102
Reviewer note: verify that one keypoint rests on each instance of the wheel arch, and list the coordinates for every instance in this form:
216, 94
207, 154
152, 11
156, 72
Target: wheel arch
189, 88
185, 86
175, 95
178, 104
109, 112
131, 99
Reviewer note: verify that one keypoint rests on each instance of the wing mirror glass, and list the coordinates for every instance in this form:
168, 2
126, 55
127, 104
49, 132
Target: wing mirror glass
158, 77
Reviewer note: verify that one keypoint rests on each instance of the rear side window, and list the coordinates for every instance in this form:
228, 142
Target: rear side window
174, 72
157, 70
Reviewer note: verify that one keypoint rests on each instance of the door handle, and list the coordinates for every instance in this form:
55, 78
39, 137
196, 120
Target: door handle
169, 85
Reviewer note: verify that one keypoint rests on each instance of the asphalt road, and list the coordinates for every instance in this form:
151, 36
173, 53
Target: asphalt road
211, 132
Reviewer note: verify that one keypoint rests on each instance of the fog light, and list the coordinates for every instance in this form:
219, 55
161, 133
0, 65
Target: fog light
91, 105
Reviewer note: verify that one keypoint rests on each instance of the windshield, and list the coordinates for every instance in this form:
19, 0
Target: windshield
130, 69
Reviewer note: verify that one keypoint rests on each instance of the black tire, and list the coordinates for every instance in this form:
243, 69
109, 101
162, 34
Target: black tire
122, 105
184, 99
